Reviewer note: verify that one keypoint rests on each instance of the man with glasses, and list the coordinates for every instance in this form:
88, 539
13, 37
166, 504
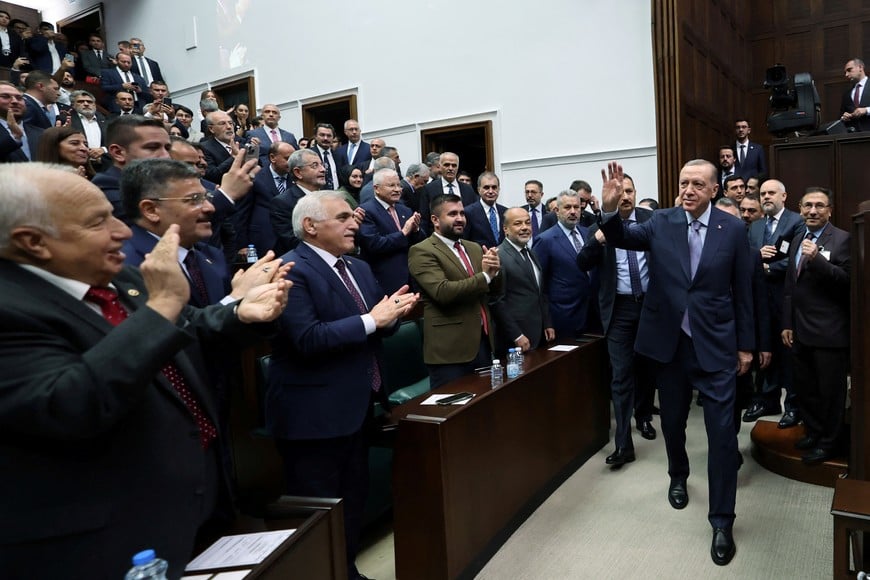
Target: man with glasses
221, 147
89, 121
816, 324
308, 175
18, 140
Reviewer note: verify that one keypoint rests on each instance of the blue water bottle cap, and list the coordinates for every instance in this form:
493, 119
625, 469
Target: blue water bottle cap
144, 557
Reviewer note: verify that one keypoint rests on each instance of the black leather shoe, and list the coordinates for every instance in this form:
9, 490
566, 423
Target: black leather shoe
789, 419
757, 410
677, 494
816, 456
620, 457
723, 548
647, 431
806, 442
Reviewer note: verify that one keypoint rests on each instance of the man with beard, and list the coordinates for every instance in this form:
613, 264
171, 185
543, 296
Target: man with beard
457, 281
91, 123
19, 141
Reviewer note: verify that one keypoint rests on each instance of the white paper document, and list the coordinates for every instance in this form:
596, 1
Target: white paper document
563, 347
433, 399
241, 550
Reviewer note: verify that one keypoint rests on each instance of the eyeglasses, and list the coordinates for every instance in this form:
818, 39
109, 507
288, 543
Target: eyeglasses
819, 205
314, 165
195, 200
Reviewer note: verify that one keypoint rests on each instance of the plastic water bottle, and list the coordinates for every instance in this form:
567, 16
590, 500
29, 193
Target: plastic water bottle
520, 360
251, 256
513, 368
147, 566
495, 373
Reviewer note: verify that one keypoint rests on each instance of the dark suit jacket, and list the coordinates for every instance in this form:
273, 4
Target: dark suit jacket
34, 114
16, 48
281, 218
109, 181
363, 153
37, 50
218, 158
319, 377
211, 262
111, 81
570, 291
156, 74
337, 159
816, 302
262, 133
92, 65
719, 297
385, 247
451, 300
790, 223
477, 228
76, 122
550, 219
251, 220
10, 149
85, 404
847, 105
754, 164
603, 257
522, 307
435, 188
410, 196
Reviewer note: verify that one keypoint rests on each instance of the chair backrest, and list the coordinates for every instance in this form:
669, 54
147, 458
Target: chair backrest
402, 361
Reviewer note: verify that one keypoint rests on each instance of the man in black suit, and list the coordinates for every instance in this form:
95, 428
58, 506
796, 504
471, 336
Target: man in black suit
816, 324
40, 96
44, 49
484, 219
12, 44
771, 237
750, 155
521, 310
96, 59
122, 78
355, 151
624, 278
445, 184
124, 106
104, 387
221, 147
19, 141
89, 121
323, 134
145, 67
727, 160
416, 176
307, 175
855, 106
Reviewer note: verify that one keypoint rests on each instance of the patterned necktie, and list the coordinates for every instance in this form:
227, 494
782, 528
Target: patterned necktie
742, 154
197, 282
493, 223
634, 270
802, 262
575, 239
450, 189
274, 135
114, 313
465, 262
534, 222
696, 246
392, 211
281, 184
348, 283
328, 166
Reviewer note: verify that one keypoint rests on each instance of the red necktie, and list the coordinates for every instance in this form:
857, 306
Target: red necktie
114, 313
470, 270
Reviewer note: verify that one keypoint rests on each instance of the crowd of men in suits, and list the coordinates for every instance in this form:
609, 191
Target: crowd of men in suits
678, 294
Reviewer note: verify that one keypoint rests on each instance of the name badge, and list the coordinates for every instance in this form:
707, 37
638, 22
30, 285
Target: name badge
783, 247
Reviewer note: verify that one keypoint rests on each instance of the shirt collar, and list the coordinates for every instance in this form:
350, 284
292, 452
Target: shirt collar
74, 288
705, 217
324, 255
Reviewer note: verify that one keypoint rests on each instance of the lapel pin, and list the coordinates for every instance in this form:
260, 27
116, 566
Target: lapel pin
209, 261
133, 292
719, 227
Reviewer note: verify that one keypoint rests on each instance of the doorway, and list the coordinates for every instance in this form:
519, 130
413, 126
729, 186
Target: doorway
79, 26
472, 142
236, 92
333, 111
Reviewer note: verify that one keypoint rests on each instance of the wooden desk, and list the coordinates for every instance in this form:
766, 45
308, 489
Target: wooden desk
465, 477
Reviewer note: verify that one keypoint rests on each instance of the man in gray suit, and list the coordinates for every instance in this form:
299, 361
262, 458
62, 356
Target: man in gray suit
521, 311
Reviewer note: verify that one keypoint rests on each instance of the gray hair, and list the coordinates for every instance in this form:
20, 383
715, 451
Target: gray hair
297, 159
381, 175
383, 163
311, 206
148, 179
565, 193
208, 106
80, 93
417, 169
707, 164
24, 202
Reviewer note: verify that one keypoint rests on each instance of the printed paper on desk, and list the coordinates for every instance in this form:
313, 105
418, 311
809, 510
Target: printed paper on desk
433, 399
240, 550
563, 347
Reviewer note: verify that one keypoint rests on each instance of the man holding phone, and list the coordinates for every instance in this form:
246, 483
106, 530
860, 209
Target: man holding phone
161, 105
121, 78
45, 53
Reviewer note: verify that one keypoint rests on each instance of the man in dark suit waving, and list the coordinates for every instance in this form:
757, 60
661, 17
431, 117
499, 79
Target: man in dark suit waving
696, 322
325, 371
521, 310
103, 386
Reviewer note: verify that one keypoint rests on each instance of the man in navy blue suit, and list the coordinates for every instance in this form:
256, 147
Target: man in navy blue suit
484, 219
323, 134
325, 370
355, 151
697, 324
121, 78
750, 156
387, 231
44, 50
270, 133
571, 291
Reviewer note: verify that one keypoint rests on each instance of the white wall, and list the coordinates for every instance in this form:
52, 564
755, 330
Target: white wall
568, 84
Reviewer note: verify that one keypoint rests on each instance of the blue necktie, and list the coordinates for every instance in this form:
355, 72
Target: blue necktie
768, 231
281, 184
634, 270
534, 222
351, 147
493, 223
576, 241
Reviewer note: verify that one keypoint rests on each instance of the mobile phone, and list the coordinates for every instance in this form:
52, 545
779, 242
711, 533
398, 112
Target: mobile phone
69, 57
455, 398
252, 151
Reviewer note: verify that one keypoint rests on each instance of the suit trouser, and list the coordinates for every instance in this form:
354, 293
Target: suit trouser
631, 387
335, 467
820, 382
677, 378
